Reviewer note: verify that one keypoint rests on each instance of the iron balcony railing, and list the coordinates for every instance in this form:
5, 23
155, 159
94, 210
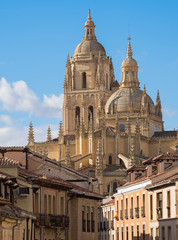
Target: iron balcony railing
50, 220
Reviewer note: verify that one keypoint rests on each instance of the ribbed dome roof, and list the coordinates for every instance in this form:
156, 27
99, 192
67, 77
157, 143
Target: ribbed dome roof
128, 62
127, 99
91, 46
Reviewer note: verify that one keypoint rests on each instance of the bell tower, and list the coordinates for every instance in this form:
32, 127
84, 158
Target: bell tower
88, 82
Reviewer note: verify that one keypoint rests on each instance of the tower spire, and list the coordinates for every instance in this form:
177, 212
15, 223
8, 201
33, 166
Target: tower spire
31, 135
89, 15
49, 134
129, 49
89, 29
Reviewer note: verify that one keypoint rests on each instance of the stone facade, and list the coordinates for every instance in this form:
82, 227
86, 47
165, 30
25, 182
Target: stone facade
122, 119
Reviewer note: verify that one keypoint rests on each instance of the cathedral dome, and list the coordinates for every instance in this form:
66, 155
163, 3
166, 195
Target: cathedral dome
127, 100
89, 47
89, 43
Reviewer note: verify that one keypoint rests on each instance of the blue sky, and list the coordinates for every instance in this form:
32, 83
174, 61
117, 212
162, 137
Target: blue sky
36, 37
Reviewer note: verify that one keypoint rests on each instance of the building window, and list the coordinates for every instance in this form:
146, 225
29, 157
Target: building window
45, 204
143, 207
88, 219
90, 32
121, 211
132, 76
77, 115
108, 188
127, 233
168, 204
114, 187
90, 113
122, 127
151, 207
110, 159
83, 220
62, 205
157, 234
163, 233
131, 209
144, 237
137, 208
117, 233
54, 205
92, 220
84, 80
122, 233
169, 233
137, 232
126, 210
49, 204
132, 230
159, 205
127, 74
151, 234
36, 203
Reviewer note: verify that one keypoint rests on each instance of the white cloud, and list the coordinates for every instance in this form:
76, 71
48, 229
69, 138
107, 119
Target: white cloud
18, 97
11, 134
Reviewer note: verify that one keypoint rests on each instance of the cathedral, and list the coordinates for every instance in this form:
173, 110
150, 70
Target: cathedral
107, 126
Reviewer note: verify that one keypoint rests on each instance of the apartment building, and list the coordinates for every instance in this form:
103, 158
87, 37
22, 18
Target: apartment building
60, 197
147, 205
106, 220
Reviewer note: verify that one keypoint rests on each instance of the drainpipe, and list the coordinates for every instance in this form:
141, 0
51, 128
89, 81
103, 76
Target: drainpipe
13, 229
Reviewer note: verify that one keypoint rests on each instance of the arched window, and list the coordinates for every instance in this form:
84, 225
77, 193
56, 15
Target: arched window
90, 32
90, 113
132, 76
127, 75
114, 187
108, 188
77, 115
122, 127
45, 204
87, 32
54, 205
84, 80
110, 159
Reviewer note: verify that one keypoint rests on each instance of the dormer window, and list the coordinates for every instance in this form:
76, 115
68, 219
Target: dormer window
84, 83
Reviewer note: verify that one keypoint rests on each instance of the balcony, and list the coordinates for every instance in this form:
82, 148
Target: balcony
131, 213
121, 214
49, 220
143, 211
137, 212
126, 214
